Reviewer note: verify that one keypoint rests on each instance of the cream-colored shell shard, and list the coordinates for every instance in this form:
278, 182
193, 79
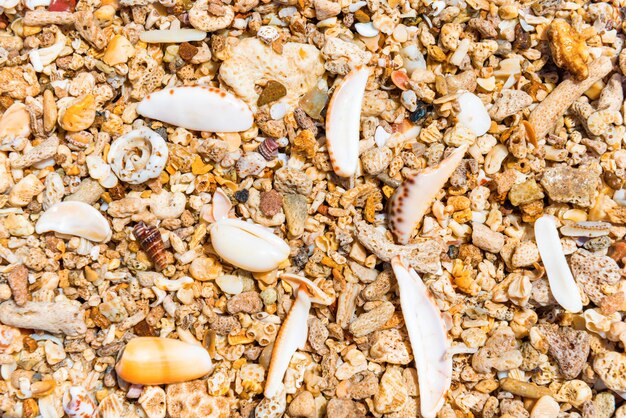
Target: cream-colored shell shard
473, 114
562, 284
428, 337
138, 156
15, 122
75, 218
248, 246
172, 35
413, 198
199, 108
298, 68
343, 122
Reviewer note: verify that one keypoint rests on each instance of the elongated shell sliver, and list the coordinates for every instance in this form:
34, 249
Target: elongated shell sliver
343, 120
413, 198
427, 334
75, 218
248, 246
158, 361
199, 108
562, 284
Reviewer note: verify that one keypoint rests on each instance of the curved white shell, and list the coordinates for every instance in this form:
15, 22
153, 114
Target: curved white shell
473, 114
199, 108
75, 218
138, 156
172, 35
248, 246
77, 403
316, 294
589, 229
429, 341
562, 284
413, 198
343, 120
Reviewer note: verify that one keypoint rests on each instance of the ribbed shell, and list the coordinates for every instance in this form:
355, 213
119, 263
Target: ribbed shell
268, 149
151, 242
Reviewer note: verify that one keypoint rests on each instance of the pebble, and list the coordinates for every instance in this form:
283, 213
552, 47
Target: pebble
270, 203
242, 195
343, 408
569, 348
54, 352
269, 296
388, 346
302, 406
233, 285
251, 164
272, 91
525, 192
376, 160
565, 184
486, 239
392, 393
295, 207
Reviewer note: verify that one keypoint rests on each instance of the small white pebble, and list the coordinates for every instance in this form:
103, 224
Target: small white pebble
356, 6
366, 29
381, 136
279, 110
233, 285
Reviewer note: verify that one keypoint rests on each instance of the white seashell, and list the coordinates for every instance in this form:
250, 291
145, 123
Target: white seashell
545, 407
199, 108
97, 168
75, 218
138, 156
111, 407
293, 332
586, 229
33, 4
381, 136
279, 110
461, 52
109, 181
9, 4
47, 56
172, 35
248, 246
428, 337
77, 403
343, 122
560, 277
620, 197
15, 122
221, 205
366, 29
473, 114
172, 285
268, 34
356, 6
233, 285
413, 198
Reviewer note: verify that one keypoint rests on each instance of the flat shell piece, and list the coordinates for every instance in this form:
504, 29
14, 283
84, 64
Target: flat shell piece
589, 229
77, 219
562, 284
429, 341
199, 108
343, 120
172, 35
413, 198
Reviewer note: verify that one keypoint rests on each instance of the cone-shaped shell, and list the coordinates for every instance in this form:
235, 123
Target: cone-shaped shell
77, 219
562, 284
199, 108
343, 122
413, 198
158, 361
248, 246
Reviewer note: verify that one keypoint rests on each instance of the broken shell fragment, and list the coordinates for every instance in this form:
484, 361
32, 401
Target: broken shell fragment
138, 156
15, 122
413, 198
200, 108
75, 218
428, 337
172, 35
562, 284
586, 229
77, 403
158, 361
248, 246
343, 122
293, 332
473, 114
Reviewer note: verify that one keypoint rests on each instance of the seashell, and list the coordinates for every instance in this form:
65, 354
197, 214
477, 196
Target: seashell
10, 340
233, 285
151, 242
46, 56
187, 107
158, 361
560, 277
75, 218
545, 407
620, 197
77, 403
293, 332
247, 245
172, 36
111, 407
366, 30
118, 51
586, 229
343, 122
79, 114
413, 198
25, 190
268, 34
473, 114
153, 401
268, 149
428, 337
15, 122
138, 156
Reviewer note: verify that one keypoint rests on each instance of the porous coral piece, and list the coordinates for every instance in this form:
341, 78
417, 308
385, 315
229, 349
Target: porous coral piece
191, 399
571, 185
18, 281
56, 317
568, 346
569, 50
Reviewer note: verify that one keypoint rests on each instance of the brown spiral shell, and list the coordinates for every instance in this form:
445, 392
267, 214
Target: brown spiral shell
151, 242
268, 149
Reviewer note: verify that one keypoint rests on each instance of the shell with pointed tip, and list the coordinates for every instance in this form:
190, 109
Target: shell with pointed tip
428, 337
413, 198
343, 120
248, 246
221, 205
78, 404
158, 361
199, 108
75, 218
562, 284
138, 156
473, 114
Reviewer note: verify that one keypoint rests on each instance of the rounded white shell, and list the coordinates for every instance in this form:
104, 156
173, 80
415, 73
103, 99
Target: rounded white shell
473, 114
138, 156
75, 218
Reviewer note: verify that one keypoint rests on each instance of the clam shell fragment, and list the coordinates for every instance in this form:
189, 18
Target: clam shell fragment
413, 198
199, 108
75, 218
138, 156
248, 246
562, 284
343, 122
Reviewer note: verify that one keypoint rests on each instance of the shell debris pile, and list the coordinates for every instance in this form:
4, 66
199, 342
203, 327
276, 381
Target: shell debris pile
313, 208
